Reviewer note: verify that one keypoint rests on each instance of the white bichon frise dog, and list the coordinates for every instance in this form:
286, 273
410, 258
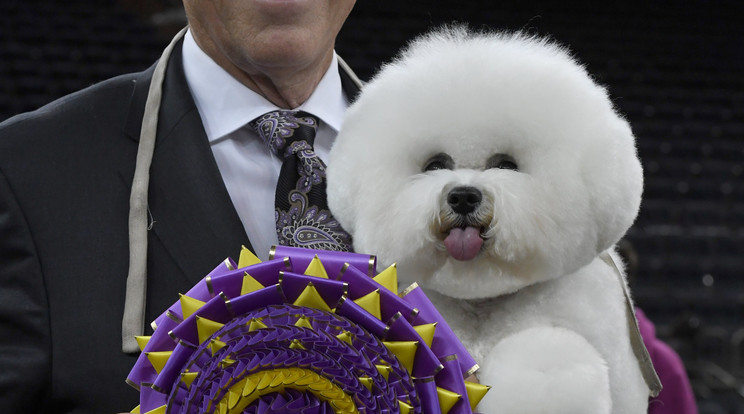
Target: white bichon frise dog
498, 176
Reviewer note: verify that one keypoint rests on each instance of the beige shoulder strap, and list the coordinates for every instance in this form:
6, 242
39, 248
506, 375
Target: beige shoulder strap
133, 321
636, 342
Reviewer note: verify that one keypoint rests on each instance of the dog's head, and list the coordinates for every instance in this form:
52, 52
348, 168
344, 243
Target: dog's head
483, 163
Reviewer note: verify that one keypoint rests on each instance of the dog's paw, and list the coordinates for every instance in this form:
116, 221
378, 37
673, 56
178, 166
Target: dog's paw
545, 370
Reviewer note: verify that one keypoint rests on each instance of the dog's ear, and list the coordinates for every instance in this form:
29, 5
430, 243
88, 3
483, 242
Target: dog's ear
614, 178
341, 187
348, 164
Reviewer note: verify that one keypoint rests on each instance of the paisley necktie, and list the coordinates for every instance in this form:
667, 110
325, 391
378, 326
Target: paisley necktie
302, 216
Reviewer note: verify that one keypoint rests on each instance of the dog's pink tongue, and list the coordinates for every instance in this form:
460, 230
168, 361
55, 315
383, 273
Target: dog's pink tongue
463, 244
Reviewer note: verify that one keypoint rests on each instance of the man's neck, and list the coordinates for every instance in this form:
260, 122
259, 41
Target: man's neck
286, 87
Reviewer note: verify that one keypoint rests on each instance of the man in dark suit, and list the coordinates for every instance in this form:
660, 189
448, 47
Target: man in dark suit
66, 172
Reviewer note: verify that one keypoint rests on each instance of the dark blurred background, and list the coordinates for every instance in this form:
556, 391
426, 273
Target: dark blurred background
675, 69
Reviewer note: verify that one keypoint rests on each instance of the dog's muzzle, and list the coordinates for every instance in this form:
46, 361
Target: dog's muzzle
463, 219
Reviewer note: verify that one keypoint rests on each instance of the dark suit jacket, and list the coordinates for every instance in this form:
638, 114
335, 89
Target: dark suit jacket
65, 176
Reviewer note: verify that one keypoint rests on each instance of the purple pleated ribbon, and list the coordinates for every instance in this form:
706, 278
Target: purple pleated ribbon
263, 336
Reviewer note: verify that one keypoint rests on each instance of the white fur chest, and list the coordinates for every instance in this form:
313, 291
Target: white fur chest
589, 303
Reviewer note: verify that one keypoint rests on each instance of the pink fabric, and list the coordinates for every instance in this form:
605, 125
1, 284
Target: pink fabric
677, 396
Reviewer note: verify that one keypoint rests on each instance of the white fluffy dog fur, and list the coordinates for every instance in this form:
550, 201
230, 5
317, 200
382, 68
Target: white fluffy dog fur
495, 172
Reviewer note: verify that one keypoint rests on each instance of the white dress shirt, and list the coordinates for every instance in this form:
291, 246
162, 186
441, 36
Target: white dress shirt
248, 167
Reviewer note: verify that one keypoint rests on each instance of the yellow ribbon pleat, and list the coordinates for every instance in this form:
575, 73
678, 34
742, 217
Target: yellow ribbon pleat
388, 278
345, 336
311, 298
303, 322
250, 284
189, 377
158, 359
315, 268
215, 345
142, 341
476, 392
159, 410
405, 408
447, 399
247, 258
256, 324
426, 332
404, 350
189, 305
367, 382
206, 328
296, 344
371, 303
258, 384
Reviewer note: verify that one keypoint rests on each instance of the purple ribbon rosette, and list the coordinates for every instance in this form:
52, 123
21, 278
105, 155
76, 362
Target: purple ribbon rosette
307, 332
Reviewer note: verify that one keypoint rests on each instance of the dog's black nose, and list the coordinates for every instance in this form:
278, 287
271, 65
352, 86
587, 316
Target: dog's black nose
464, 200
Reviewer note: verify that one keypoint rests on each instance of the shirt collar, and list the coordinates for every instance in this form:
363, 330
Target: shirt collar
226, 105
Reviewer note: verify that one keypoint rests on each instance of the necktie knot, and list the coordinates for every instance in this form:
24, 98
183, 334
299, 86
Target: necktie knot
286, 132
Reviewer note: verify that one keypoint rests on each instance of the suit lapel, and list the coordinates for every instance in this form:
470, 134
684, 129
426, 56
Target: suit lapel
192, 212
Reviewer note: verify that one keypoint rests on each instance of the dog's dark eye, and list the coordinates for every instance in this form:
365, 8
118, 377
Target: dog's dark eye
440, 161
502, 162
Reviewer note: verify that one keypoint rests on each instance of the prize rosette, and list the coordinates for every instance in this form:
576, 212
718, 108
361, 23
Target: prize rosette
282, 336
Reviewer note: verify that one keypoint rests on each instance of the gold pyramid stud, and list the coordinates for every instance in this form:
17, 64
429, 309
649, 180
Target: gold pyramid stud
315, 268
159, 410
189, 305
426, 332
247, 258
367, 382
388, 278
206, 328
158, 359
226, 362
311, 298
345, 336
404, 350
215, 345
303, 322
188, 378
142, 341
476, 392
371, 303
250, 284
447, 399
296, 344
384, 370
255, 324
405, 408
